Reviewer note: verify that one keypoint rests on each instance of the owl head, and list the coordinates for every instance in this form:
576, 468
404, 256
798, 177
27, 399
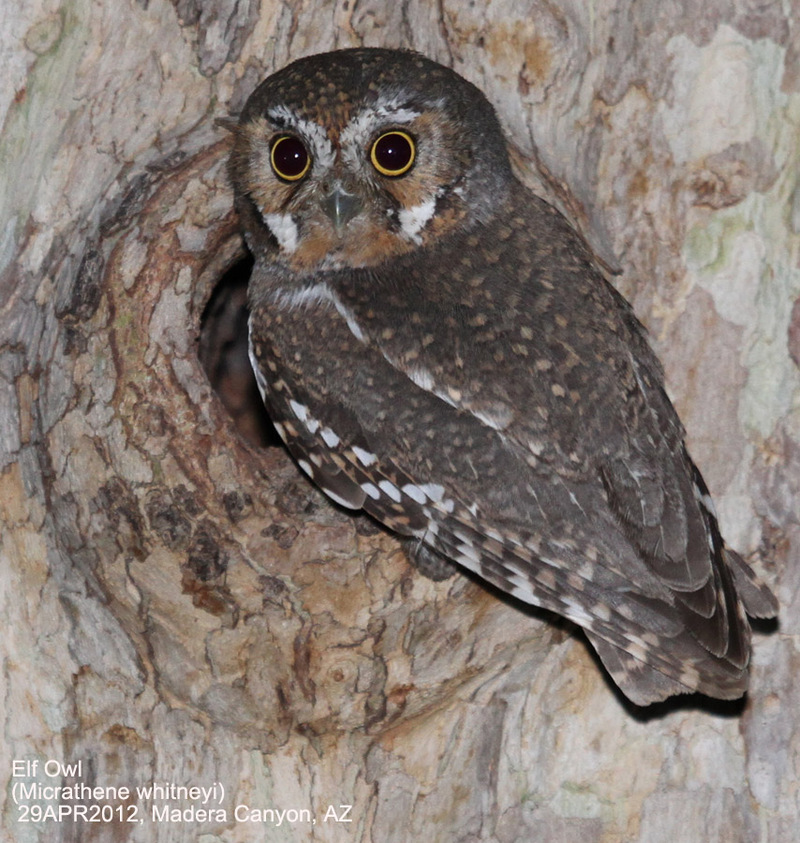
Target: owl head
350, 158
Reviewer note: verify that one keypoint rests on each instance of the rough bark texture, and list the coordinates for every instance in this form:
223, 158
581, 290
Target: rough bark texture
181, 608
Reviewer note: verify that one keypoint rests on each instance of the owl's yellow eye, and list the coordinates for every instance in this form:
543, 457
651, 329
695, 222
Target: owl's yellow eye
393, 153
289, 158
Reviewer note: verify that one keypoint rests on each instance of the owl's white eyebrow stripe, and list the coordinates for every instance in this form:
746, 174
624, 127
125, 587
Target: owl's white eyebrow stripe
322, 151
361, 128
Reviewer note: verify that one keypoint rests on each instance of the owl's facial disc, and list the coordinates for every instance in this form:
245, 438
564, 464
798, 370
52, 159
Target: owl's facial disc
351, 190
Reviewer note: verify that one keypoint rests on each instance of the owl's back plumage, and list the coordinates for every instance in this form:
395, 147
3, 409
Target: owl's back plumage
437, 346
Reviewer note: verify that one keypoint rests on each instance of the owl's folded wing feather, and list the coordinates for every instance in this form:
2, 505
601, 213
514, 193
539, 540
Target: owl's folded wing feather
659, 630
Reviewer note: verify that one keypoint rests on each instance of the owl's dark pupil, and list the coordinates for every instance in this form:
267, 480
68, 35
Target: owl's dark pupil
393, 152
289, 157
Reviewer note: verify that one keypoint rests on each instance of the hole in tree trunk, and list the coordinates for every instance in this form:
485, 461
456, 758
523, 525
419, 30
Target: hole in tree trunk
223, 354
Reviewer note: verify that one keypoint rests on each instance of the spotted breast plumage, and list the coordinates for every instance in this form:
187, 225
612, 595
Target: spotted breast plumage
437, 346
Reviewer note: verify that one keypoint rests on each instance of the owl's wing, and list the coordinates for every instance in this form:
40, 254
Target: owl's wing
658, 631
662, 502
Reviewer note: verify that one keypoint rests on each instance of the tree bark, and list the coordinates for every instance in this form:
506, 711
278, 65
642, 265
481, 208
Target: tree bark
183, 610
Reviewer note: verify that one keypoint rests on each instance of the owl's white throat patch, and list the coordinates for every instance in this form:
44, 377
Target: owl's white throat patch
284, 230
413, 220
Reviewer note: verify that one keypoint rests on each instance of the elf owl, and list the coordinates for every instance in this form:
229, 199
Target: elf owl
437, 346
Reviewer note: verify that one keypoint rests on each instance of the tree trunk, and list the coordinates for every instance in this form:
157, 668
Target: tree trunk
183, 610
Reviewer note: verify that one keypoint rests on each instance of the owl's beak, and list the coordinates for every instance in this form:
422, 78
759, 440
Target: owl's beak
340, 207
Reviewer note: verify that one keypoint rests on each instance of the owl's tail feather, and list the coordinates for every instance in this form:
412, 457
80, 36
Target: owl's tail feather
759, 601
644, 685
